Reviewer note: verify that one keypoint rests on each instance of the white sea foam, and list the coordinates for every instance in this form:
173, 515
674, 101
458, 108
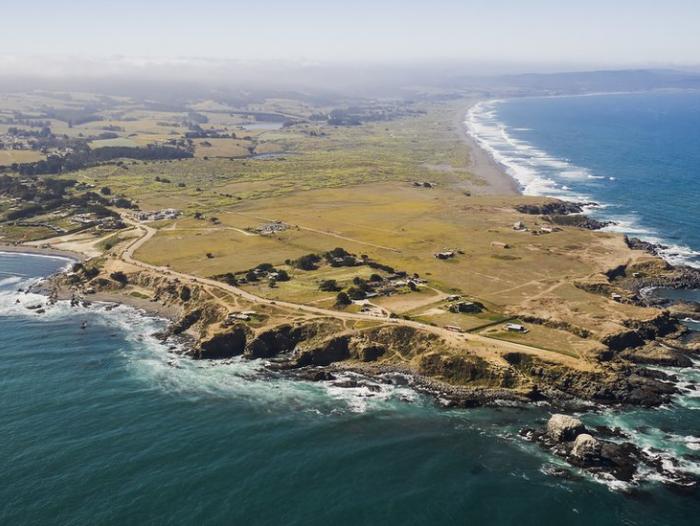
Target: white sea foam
539, 173
160, 365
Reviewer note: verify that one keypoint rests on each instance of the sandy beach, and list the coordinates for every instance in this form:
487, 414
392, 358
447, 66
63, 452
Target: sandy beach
482, 164
28, 249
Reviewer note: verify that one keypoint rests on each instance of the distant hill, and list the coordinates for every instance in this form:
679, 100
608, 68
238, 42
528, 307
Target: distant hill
585, 82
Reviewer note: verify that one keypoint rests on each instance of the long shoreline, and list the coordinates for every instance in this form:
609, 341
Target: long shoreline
481, 162
39, 251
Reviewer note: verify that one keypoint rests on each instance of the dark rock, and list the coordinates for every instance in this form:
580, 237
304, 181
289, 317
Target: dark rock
314, 375
334, 350
563, 428
579, 221
554, 207
224, 345
272, 342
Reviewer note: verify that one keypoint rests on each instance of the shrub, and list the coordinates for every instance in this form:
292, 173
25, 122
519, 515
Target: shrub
119, 277
343, 299
307, 262
356, 293
185, 293
329, 285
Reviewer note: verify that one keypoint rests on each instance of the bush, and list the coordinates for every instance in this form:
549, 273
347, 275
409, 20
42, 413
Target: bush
106, 190
265, 267
185, 293
282, 275
329, 285
307, 262
343, 299
119, 277
356, 293
229, 278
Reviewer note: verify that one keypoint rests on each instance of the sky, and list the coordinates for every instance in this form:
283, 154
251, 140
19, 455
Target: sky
565, 32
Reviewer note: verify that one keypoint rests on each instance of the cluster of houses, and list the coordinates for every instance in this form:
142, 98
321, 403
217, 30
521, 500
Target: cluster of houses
104, 224
11, 142
269, 229
158, 215
391, 283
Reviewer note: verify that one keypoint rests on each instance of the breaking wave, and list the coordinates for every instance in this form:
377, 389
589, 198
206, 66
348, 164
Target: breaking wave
540, 173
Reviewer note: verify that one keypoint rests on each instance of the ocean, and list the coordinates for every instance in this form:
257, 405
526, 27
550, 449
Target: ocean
106, 425
636, 155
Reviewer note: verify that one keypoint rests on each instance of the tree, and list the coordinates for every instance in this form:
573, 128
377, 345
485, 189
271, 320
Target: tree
329, 285
106, 190
282, 275
251, 276
356, 293
342, 299
307, 262
265, 267
229, 278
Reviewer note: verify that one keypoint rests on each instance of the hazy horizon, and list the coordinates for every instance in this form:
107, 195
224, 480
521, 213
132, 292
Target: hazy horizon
49, 37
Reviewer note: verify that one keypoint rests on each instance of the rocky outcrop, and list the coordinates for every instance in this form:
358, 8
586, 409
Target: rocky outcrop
567, 438
637, 244
579, 221
639, 332
563, 428
616, 384
333, 350
551, 208
655, 354
463, 370
586, 447
272, 342
223, 345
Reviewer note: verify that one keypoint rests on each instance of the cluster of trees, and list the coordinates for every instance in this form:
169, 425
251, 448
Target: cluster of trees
41, 190
307, 262
82, 158
19, 132
48, 194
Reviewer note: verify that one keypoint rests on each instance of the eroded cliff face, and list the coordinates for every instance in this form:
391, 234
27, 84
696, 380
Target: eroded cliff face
454, 373
456, 370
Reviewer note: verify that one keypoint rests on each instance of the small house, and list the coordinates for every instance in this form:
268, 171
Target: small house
466, 306
516, 327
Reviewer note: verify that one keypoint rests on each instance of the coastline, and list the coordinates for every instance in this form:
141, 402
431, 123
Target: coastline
481, 162
32, 250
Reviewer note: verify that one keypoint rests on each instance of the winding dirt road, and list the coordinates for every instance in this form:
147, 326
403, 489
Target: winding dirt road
492, 344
